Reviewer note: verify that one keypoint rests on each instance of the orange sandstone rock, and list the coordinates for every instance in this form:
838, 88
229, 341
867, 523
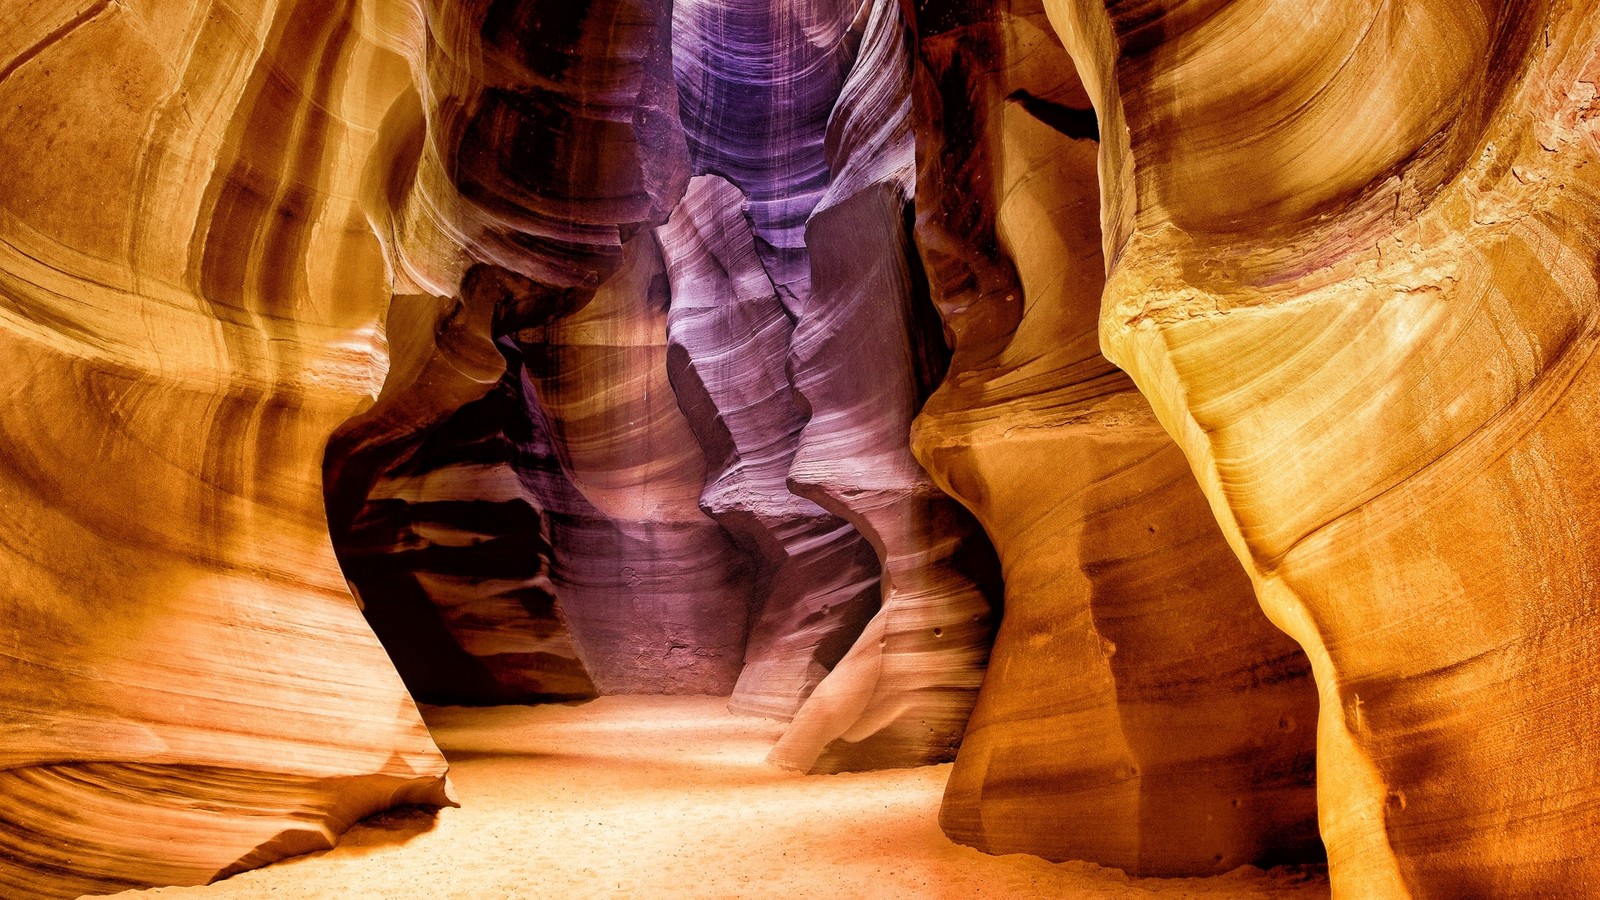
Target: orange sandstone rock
190, 303
1139, 710
1353, 267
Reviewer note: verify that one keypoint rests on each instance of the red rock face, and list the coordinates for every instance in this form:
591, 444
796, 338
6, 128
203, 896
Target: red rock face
760, 349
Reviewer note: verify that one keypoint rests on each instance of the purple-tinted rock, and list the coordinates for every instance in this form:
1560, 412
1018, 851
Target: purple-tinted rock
815, 578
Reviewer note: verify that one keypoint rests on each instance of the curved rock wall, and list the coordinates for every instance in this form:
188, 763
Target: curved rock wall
1357, 280
456, 546
1139, 710
861, 360
190, 301
593, 333
708, 528
816, 581
656, 591
723, 513
538, 138
201, 320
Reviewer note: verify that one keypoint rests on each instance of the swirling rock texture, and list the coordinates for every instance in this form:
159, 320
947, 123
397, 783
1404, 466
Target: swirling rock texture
592, 332
190, 689
190, 298
688, 405
536, 140
1139, 710
1353, 266
825, 157
816, 584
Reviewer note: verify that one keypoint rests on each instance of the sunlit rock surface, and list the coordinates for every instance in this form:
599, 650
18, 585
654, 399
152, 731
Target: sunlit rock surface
1354, 270
1139, 710
589, 337
190, 301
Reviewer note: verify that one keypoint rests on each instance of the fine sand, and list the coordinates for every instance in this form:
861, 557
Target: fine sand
670, 797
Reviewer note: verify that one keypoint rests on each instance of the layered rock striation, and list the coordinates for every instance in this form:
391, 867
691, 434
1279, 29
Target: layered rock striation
655, 589
190, 300
1356, 278
591, 339
862, 357
700, 522
505, 186
456, 544
814, 583
729, 499
1139, 710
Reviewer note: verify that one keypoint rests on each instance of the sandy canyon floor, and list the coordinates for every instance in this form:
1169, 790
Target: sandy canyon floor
670, 797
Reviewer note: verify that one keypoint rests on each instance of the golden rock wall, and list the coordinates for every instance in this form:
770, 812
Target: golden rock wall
190, 303
1139, 711
723, 345
1353, 267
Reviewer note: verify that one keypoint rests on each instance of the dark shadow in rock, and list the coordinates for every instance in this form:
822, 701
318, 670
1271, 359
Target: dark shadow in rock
390, 827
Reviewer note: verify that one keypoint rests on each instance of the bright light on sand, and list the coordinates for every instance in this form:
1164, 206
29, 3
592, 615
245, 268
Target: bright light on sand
645, 797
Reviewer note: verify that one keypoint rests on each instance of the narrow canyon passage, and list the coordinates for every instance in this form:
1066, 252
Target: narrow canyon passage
639, 797
803, 447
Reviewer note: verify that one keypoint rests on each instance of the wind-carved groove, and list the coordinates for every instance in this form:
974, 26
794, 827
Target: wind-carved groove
816, 583
32, 52
586, 334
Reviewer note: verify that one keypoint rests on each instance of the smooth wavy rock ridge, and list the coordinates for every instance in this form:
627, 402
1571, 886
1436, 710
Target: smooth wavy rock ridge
730, 340
1139, 710
1356, 278
1177, 412
191, 302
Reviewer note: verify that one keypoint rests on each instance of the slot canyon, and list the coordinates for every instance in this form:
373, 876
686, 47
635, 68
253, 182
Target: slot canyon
800, 448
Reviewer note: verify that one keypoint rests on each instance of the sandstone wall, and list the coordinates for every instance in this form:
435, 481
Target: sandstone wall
745, 347
1139, 710
1353, 267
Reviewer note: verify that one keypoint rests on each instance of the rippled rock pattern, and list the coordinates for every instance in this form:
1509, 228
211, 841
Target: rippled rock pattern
1139, 710
816, 582
190, 301
1354, 270
592, 334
